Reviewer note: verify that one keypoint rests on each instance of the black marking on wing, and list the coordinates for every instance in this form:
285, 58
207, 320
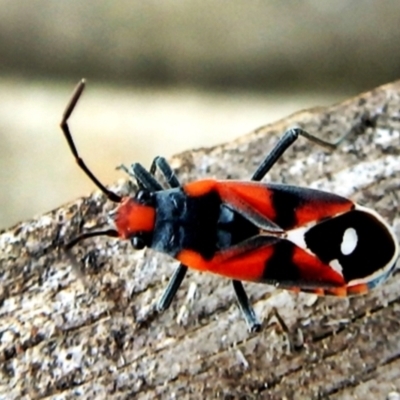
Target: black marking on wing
373, 251
280, 266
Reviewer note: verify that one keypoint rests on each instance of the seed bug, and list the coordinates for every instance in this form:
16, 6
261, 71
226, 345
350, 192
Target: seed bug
288, 236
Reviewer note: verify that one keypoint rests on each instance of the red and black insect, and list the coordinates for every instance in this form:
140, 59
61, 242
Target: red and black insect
288, 236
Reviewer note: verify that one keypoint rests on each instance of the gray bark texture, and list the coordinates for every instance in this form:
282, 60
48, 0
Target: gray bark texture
88, 327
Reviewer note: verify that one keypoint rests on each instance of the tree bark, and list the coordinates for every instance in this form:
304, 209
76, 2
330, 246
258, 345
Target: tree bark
88, 327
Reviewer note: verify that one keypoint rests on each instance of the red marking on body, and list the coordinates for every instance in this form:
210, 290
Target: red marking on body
317, 210
338, 292
250, 265
258, 198
255, 195
200, 188
315, 206
247, 266
242, 195
360, 288
133, 217
313, 270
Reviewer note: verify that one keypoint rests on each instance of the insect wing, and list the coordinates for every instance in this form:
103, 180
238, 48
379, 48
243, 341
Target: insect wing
286, 206
267, 259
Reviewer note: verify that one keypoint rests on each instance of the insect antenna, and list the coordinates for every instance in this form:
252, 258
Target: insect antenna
65, 128
72, 258
68, 136
86, 235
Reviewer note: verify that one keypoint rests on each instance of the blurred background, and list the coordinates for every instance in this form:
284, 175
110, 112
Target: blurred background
168, 76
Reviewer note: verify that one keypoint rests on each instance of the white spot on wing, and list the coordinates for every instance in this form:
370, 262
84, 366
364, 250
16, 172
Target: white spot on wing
335, 264
296, 236
349, 242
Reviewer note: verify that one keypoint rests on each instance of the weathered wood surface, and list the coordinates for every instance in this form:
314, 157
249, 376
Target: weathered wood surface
97, 335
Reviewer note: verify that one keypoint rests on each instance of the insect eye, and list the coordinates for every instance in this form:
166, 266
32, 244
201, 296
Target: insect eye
144, 197
138, 242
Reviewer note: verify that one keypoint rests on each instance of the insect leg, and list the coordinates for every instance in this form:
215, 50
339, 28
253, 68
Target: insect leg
284, 143
144, 178
366, 121
162, 164
244, 304
173, 286
291, 136
245, 307
180, 272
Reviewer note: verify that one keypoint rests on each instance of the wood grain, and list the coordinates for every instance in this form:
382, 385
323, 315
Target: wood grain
95, 333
